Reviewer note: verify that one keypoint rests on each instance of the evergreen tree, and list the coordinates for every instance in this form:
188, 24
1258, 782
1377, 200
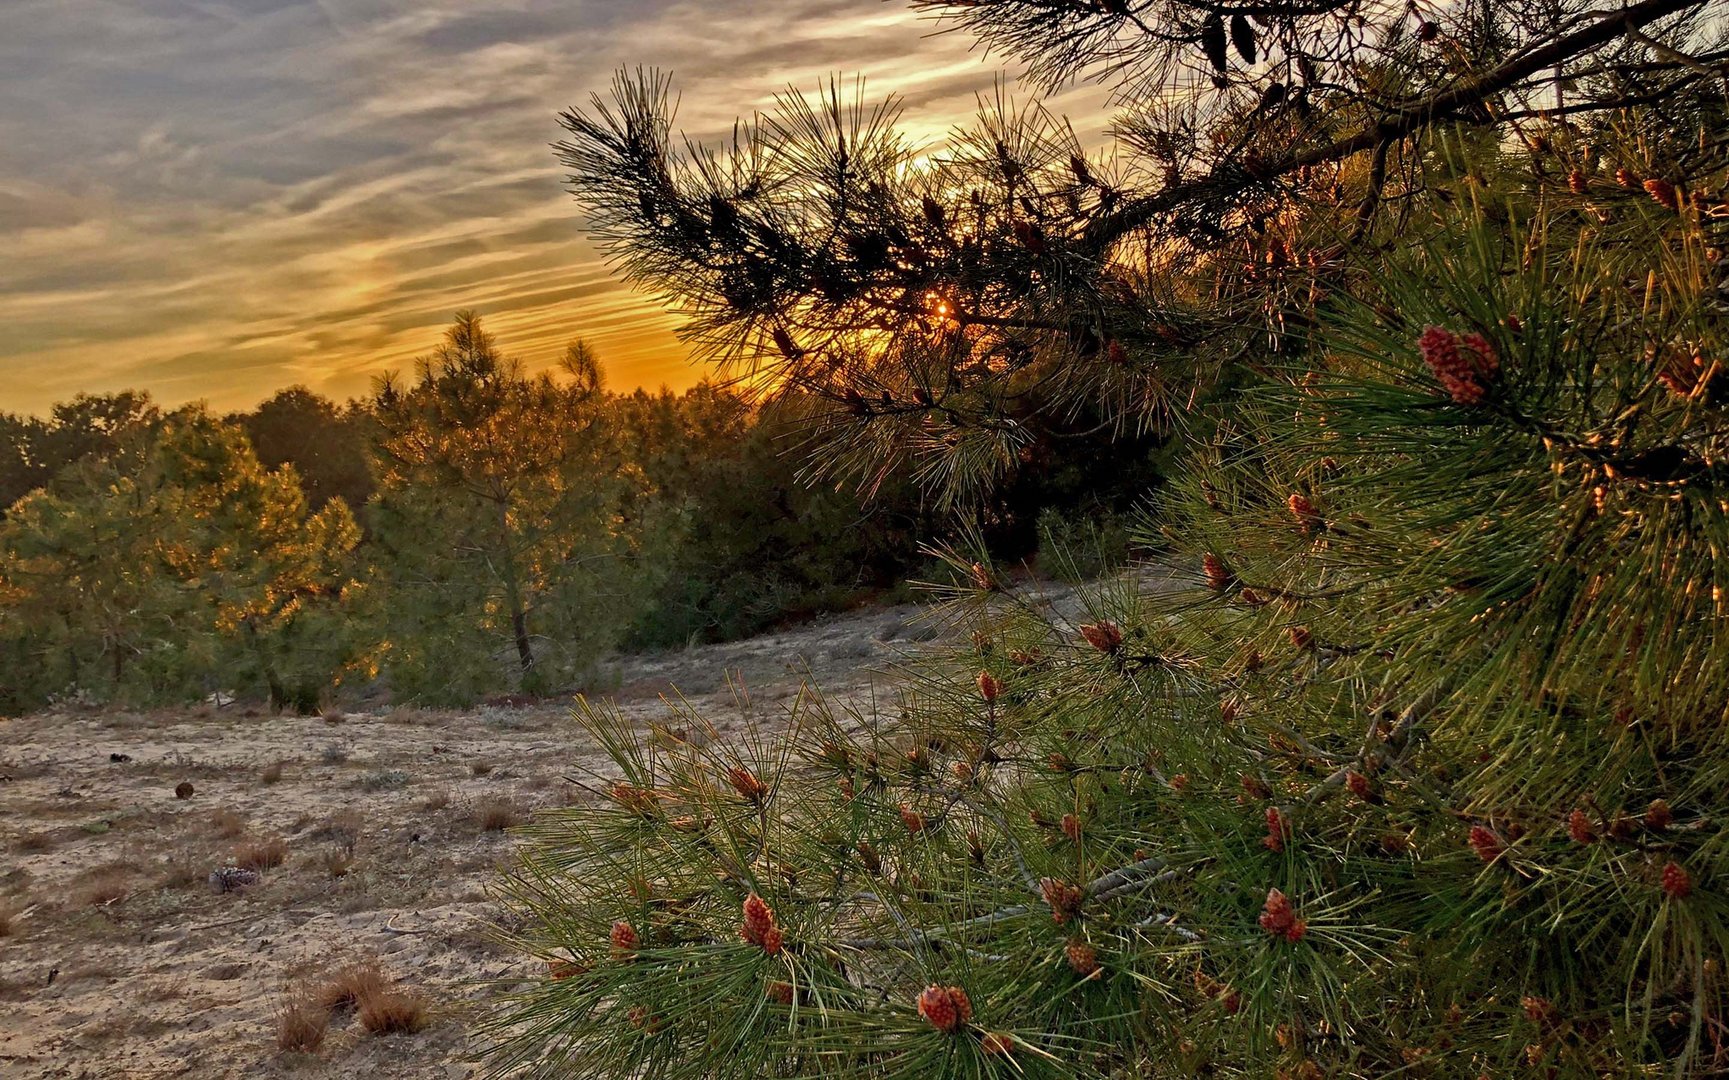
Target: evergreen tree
173, 567
327, 445
495, 497
1406, 759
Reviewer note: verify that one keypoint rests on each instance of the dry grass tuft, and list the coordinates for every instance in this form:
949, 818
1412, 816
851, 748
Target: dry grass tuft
301, 1024
353, 984
392, 1012
335, 862
272, 773
261, 855
8, 918
227, 824
342, 828
334, 716
495, 813
103, 885
34, 843
481, 768
182, 871
438, 800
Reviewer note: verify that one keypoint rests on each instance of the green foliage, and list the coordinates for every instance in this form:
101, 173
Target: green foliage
744, 543
495, 514
142, 575
1404, 758
1083, 547
326, 445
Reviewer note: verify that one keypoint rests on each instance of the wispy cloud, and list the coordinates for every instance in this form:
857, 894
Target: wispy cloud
215, 198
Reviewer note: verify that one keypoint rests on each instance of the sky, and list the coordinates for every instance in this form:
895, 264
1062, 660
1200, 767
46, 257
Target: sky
215, 199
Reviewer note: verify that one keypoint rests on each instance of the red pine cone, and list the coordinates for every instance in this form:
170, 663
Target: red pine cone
1538, 1010
1624, 176
1486, 843
637, 800
1677, 882
1219, 576
746, 783
989, 686
1116, 354
1030, 236
912, 819
1071, 826
1279, 919
564, 969
1065, 900
945, 1008
982, 580
1358, 784
1576, 182
994, 1043
1082, 958
1303, 510
1300, 636
779, 992
1103, 636
1180, 783
1487, 361
624, 939
1579, 828
1255, 787
1276, 829
758, 923
1663, 193
1658, 816
1440, 349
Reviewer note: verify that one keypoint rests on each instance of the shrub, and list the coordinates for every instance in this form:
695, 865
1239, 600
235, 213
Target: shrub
352, 985
1407, 763
495, 813
103, 886
385, 780
301, 1024
261, 855
227, 824
392, 1012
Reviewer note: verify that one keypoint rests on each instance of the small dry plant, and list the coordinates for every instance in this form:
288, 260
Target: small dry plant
103, 885
392, 1012
352, 984
227, 824
301, 1024
495, 813
261, 855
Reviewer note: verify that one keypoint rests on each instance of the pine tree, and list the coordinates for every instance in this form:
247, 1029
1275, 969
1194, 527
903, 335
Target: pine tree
495, 492
1406, 757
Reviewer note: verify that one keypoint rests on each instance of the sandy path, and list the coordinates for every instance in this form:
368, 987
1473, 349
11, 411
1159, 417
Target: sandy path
122, 962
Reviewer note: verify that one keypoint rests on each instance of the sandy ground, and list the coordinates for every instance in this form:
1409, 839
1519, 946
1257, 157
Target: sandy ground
117, 959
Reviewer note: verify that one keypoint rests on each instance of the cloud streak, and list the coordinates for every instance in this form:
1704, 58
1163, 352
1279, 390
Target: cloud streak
212, 199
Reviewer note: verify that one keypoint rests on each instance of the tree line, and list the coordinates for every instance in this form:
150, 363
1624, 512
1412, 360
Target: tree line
463, 531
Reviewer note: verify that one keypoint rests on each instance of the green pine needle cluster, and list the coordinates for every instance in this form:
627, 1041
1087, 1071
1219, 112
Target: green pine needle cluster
1404, 757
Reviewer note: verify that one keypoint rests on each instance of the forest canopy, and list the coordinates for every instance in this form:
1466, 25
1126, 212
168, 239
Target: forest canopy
468, 530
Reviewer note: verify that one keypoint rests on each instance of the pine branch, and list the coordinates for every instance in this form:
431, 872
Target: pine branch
1231, 179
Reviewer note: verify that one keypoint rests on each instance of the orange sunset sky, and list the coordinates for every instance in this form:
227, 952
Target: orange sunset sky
213, 199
